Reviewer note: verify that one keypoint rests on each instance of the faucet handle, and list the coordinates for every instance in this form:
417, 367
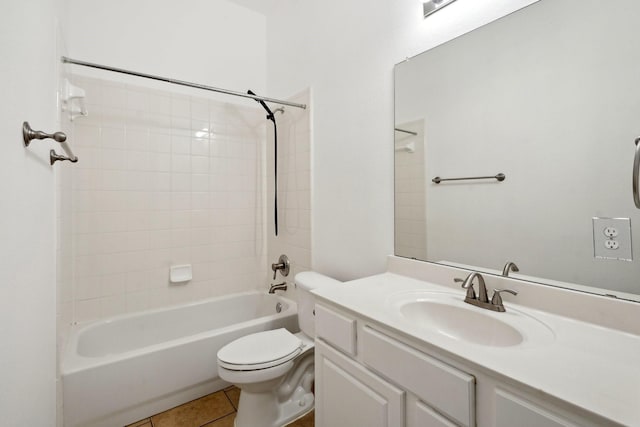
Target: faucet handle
496, 299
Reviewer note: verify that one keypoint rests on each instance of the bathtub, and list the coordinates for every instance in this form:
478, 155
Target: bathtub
119, 370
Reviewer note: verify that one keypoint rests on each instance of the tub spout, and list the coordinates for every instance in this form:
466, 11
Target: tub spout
279, 287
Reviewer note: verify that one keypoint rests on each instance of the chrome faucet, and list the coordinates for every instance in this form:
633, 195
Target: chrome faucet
482, 300
510, 266
283, 265
482, 289
278, 287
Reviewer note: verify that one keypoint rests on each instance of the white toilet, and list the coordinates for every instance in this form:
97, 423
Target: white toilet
274, 369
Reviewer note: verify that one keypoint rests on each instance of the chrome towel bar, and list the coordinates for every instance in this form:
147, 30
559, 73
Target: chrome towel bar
499, 177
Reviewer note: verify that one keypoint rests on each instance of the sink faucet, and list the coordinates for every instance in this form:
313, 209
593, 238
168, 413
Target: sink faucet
482, 288
510, 266
482, 300
279, 287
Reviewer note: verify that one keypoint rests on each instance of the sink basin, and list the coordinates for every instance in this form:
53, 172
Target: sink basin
448, 315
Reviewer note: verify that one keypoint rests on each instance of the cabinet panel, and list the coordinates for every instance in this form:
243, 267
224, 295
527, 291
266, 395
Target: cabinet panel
336, 329
513, 411
424, 416
449, 390
347, 394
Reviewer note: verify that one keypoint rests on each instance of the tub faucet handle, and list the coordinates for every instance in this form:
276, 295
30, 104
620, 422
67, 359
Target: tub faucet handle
283, 265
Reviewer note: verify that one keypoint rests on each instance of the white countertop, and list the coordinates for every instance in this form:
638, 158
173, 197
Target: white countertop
589, 366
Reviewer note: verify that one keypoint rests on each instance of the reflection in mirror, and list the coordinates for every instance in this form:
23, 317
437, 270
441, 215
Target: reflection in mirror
549, 96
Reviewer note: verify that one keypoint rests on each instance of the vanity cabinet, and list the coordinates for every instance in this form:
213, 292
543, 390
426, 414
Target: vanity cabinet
347, 394
369, 376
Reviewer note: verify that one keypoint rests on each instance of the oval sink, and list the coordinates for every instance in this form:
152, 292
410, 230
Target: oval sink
461, 323
448, 315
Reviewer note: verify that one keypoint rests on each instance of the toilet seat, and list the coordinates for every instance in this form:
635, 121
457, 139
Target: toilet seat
260, 350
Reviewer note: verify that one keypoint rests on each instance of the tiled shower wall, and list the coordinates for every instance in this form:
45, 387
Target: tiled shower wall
294, 188
410, 201
163, 179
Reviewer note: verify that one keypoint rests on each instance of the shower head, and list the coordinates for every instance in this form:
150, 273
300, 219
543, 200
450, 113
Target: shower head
270, 115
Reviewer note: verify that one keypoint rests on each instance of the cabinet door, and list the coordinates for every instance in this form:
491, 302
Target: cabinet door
514, 411
347, 394
420, 414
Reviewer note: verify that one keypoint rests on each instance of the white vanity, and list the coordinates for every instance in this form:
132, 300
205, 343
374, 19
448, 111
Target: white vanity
403, 349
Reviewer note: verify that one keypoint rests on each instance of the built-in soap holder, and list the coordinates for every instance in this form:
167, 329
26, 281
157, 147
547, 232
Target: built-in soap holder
73, 100
180, 273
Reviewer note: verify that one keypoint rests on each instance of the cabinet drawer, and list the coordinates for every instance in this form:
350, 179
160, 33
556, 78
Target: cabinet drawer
512, 410
336, 329
446, 389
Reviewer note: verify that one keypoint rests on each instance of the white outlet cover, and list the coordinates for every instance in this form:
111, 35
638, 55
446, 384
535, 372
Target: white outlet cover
612, 239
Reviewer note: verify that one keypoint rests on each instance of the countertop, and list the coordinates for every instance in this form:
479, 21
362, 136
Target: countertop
586, 365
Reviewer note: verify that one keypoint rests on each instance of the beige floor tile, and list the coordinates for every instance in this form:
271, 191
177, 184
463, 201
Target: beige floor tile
223, 422
195, 413
306, 421
233, 393
142, 423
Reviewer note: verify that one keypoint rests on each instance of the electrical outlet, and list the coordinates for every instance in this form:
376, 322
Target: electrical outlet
611, 244
610, 232
612, 239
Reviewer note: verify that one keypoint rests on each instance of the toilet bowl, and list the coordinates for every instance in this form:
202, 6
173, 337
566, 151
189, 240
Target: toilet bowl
274, 370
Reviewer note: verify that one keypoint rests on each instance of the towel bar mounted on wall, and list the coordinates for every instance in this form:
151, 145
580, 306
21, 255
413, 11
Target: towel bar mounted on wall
29, 135
500, 177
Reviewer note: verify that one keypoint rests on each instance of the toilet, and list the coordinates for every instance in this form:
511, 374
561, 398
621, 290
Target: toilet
274, 370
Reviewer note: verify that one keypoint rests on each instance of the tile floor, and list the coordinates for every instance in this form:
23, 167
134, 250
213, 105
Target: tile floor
214, 410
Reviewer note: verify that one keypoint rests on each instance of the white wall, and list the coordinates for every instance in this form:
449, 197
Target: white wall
27, 215
216, 43
346, 51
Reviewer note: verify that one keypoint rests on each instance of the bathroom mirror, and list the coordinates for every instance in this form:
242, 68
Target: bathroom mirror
549, 96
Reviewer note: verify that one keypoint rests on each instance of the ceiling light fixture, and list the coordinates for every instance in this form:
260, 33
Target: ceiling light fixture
431, 6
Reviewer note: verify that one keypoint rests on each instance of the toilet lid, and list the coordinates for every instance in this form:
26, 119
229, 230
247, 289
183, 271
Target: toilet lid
260, 350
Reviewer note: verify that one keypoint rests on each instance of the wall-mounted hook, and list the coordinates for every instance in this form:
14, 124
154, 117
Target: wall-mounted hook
29, 135
54, 157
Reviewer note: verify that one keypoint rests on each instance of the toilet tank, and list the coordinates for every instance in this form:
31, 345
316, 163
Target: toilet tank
307, 281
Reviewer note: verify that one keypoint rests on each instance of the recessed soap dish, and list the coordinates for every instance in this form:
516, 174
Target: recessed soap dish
180, 273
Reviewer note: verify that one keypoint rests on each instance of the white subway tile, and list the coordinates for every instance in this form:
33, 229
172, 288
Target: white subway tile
180, 201
159, 142
180, 106
180, 182
86, 310
137, 140
200, 183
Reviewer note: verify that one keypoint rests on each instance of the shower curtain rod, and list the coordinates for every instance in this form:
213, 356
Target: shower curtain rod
181, 82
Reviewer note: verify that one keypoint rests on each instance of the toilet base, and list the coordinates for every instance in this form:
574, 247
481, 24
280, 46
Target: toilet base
285, 403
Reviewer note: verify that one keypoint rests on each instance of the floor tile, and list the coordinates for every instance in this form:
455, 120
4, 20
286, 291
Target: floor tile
233, 393
306, 421
223, 422
142, 423
195, 413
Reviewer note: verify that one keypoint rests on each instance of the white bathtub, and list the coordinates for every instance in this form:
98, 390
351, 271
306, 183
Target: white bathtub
126, 368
